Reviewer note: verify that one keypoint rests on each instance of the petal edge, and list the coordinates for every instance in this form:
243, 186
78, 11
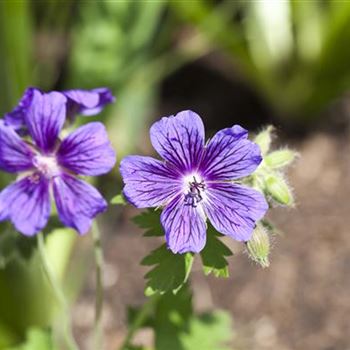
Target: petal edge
230, 155
148, 181
179, 139
27, 204
184, 226
87, 150
78, 203
234, 209
45, 118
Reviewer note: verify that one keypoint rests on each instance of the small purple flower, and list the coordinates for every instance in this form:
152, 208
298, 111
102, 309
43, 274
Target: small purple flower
15, 118
48, 165
195, 181
85, 102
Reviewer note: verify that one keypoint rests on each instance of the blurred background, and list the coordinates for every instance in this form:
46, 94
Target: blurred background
247, 62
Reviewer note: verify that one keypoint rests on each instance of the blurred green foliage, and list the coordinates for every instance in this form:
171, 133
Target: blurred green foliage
128, 46
177, 327
36, 339
15, 51
295, 53
26, 298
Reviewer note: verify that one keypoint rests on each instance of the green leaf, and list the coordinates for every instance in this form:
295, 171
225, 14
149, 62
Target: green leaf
7, 247
118, 200
178, 328
8, 334
25, 245
37, 339
208, 332
135, 347
214, 255
171, 318
149, 220
13, 245
170, 270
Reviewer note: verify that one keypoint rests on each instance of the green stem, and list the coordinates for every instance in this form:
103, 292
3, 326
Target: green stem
99, 261
139, 320
57, 289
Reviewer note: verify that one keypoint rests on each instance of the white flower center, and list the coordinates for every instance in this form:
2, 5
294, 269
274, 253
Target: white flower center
194, 189
47, 165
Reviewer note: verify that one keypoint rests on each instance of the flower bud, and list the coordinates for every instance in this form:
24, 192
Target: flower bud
258, 246
278, 189
263, 139
280, 158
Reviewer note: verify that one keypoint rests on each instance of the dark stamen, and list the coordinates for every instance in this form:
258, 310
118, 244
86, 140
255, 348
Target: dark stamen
194, 195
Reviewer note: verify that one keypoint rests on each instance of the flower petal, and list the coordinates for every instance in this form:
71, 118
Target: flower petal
77, 202
233, 209
88, 102
87, 151
148, 182
45, 118
16, 118
27, 204
229, 155
15, 154
184, 226
179, 139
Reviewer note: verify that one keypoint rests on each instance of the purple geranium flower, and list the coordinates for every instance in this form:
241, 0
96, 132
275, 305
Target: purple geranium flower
85, 102
88, 102
195, 181
15, 118
48, 165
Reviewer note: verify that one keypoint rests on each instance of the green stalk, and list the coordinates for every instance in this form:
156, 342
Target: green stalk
57, 289
139, 320
99, 261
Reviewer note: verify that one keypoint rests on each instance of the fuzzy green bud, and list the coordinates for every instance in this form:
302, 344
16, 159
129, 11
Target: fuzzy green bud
279, 159
258, 246
264, 138
278, 189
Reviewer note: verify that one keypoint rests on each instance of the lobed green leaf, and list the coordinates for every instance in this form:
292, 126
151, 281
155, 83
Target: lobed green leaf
150, 221
211, 331
170, 270
214, 255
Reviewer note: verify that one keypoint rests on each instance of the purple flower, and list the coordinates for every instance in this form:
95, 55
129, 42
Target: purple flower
16, 117
48, 165
195, 181
85, 102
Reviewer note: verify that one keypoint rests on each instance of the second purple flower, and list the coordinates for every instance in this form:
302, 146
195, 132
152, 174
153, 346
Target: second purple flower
46, 165
78, 101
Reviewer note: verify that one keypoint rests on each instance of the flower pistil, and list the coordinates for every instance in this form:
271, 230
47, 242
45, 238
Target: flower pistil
194, 190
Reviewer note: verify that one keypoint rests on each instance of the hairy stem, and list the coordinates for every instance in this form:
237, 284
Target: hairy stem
139, 320
99, 261
57, 289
